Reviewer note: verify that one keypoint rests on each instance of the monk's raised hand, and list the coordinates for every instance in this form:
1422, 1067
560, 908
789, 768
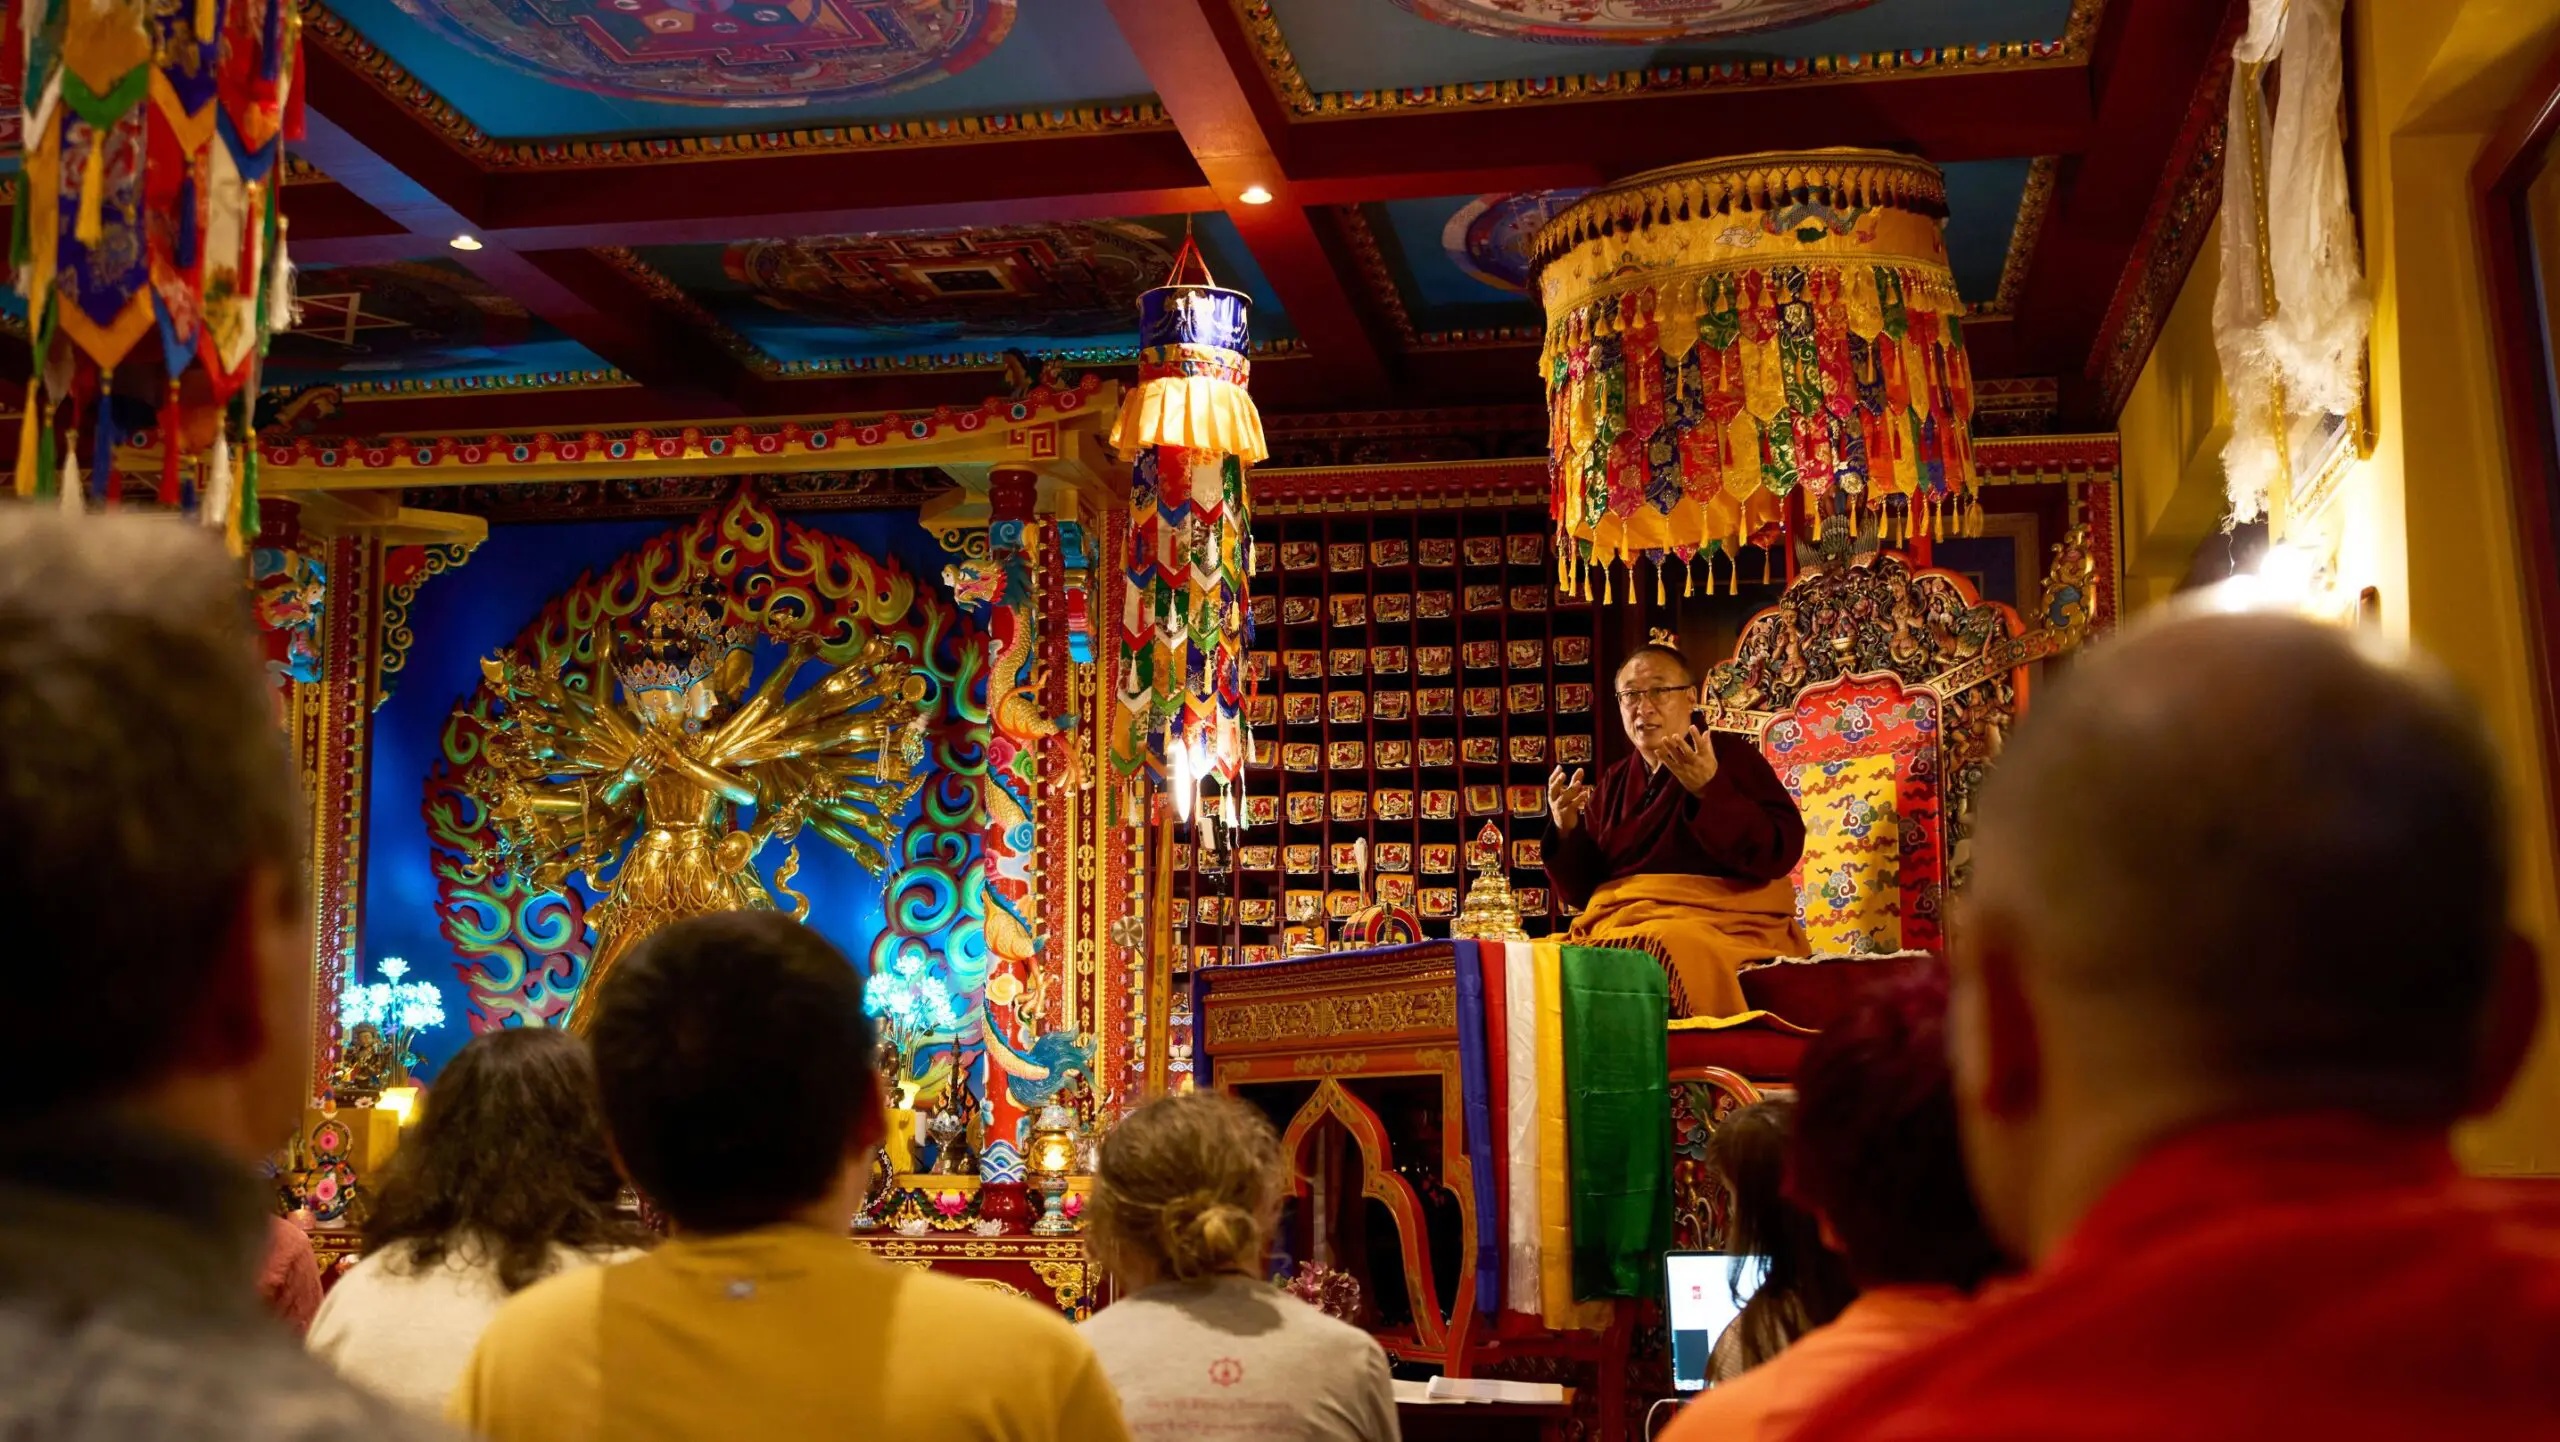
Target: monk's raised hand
1566, 796
1691, 759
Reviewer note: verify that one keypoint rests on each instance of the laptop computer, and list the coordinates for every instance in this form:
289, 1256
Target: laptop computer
1698, 1293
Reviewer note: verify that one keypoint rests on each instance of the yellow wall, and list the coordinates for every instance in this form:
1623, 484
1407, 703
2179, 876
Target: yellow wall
2173, 426
2426, 520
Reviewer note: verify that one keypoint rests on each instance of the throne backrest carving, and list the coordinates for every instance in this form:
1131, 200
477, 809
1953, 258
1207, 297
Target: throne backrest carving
1926, 628
1861, 755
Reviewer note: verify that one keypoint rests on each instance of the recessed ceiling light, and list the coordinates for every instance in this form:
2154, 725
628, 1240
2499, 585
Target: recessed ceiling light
464, 242
1255, 195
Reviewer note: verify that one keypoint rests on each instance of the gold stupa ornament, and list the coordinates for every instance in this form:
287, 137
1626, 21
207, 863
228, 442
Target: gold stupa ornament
1727, 335
1490, 912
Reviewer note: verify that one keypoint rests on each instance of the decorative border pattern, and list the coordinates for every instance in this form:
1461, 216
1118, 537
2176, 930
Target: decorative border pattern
653, 496
1262, 29
1040, 407
2173, 231
1375, 274
1424, 486
1362, 241
2093, 466
520, 383
333, 737
1461, 433
1338, 425
2014, 406
2033, 206
332, 33
392, 650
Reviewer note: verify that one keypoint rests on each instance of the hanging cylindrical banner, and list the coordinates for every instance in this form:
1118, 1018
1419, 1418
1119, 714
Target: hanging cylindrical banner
1192, 431
1724, 335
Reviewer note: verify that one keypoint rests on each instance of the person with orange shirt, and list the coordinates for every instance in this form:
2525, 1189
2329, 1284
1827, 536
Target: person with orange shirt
1873, 1156
2234, 960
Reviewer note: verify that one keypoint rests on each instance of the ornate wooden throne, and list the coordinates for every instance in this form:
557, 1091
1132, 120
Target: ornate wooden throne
1881, 694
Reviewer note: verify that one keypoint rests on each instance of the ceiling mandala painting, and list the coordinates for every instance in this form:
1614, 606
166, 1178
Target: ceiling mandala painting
1623, 22
1051, 280
1489, 236
723, 52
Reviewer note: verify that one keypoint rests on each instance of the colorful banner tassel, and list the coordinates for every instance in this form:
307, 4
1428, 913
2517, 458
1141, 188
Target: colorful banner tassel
1723, 336
141, 114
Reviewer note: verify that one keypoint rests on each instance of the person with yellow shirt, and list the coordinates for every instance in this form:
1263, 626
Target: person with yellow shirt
734, 1063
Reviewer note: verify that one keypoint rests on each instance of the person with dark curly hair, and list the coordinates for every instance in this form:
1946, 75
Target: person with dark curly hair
507, 1179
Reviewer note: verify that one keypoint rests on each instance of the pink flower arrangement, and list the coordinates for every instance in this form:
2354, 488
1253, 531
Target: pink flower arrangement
951, 1204
1329, 1290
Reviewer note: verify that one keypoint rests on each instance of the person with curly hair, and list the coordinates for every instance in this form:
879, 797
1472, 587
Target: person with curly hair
507, 1179
1184, 1196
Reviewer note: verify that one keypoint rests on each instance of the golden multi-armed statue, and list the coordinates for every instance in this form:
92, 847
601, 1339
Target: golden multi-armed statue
659, 779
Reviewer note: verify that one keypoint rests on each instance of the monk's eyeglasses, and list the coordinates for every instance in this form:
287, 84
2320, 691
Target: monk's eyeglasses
1652, 695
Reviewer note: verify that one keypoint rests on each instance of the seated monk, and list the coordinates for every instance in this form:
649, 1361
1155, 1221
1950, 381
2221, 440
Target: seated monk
1683, 849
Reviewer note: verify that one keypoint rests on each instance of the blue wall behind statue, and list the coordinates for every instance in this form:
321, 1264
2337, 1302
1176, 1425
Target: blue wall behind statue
470, 613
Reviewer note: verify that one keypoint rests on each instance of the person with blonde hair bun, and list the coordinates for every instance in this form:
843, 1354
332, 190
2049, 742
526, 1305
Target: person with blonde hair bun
1185, 1193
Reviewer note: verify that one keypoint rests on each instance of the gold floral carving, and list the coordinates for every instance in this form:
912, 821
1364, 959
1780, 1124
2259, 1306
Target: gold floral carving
1321, 1018
1072, 1283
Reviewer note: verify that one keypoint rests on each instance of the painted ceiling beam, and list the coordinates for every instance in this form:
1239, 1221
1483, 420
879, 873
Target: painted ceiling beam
1205, 76
1281, 385
400, 169
819, 192
705, 203
2144, 76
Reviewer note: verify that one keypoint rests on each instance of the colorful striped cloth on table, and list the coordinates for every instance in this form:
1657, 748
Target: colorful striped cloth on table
1565, 1069
1579, 1075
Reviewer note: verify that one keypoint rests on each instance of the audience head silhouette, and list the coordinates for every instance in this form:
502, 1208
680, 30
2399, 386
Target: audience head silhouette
2232, 863
735, 1063
1876, 1154
1186, 1188
509, 1159
155, 836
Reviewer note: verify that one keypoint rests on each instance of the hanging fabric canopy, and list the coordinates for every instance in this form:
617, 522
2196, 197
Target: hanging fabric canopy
1724, 335
147, 239
1192, 431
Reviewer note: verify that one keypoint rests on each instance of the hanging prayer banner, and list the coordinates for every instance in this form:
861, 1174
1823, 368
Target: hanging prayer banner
147, 239
1724, 335
1192, 432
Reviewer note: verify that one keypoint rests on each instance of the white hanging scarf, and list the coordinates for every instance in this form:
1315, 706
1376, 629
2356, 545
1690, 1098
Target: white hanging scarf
2284, 179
